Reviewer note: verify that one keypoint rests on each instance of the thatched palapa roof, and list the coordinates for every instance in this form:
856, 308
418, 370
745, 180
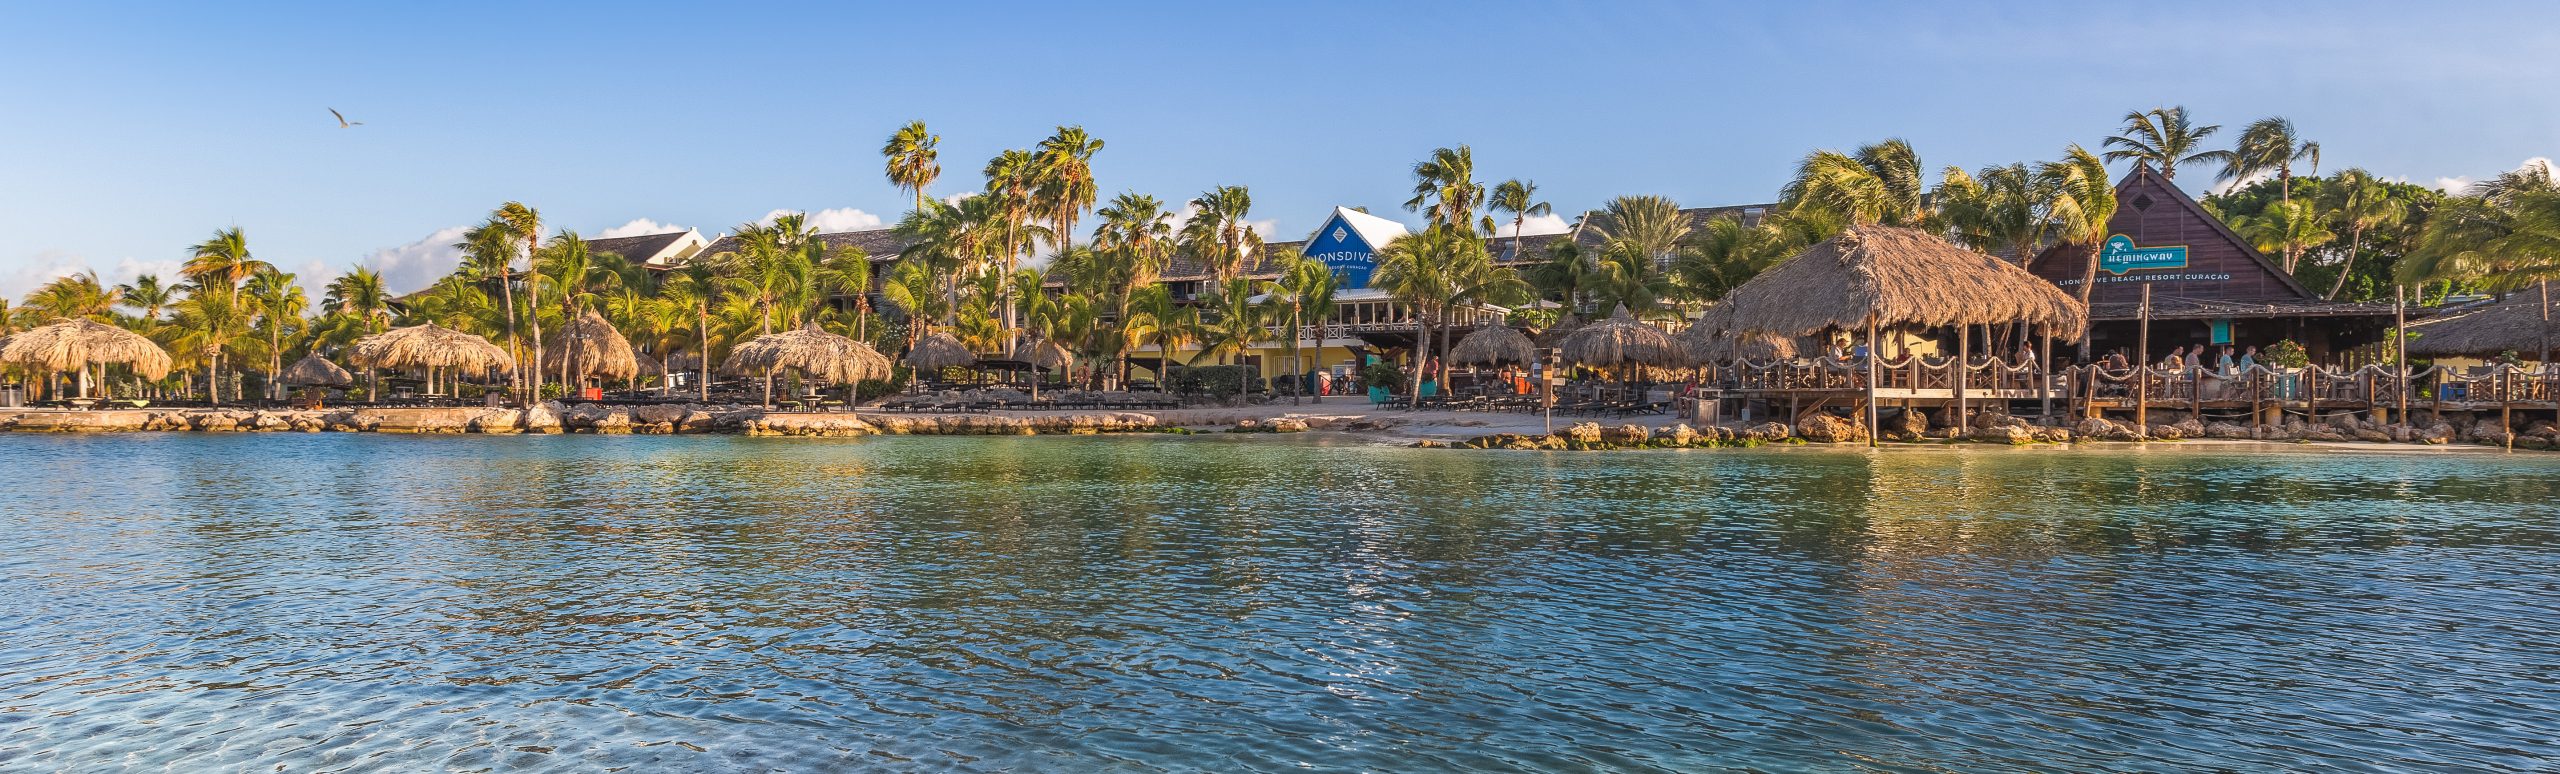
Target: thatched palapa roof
937, 351
1712, 339
314, 370
430, 346
815, 352
2514, 325
1494, 345
70, 345
1896, 277
1620, 341
1051, 355
591, 346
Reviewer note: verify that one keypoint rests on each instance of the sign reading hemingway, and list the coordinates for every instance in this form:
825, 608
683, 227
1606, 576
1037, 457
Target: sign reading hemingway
2120, 256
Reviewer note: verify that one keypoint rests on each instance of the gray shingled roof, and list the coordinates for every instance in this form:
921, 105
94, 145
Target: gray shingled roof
634, 248
882, 244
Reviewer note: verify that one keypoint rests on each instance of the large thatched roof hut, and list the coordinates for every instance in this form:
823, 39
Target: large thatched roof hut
315, 371
1621, 341
72, 345
430, 346
1494, 345
815, 352
937, 351
591, 347
1897, 277
2518, 324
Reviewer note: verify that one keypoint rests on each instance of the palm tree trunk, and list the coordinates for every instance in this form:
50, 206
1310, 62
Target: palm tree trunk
2355, 243
2088, 282
702, 347
534, 322
507, 288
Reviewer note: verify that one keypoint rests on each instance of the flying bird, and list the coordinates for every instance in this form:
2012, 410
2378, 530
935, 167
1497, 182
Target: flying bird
342, 119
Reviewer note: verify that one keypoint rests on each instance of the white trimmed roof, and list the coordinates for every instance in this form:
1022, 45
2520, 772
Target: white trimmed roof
1375, 230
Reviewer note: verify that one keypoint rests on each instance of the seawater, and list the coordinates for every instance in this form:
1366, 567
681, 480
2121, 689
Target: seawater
348, 602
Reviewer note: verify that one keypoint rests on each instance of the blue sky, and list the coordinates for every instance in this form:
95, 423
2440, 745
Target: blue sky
135, 130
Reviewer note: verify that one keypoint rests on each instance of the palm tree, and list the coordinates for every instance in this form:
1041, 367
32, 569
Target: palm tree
1446, 184
147, 295
2287, 228
206, 322
222, 262
1156, 318
79, 296
1518, 197
2083, 207
1649, 228
278, 303
696, 289
1726, 254
911, 159
2360, 203
1234, 324
1305, 297
2002, 208
2163, 138
1426, 272
1138, 230
1066, 187
1218, 235
1013, 177
1882, 183
360, 294
1568, 275
2269, 145
525, 225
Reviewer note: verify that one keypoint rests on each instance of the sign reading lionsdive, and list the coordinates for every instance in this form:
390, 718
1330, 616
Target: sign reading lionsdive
2120, 255
1342, 250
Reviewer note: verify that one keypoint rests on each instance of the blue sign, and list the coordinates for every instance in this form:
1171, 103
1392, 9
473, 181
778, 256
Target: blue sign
2121, 256
1342, 250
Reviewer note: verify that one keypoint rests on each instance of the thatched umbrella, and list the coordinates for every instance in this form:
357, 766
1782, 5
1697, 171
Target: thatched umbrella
2517, 325
1494, 345
74, 345
315, 371
1554, 335
1621, 341
1052, 356
937, 351
590, 347
1712, 340
432, 347
815, 352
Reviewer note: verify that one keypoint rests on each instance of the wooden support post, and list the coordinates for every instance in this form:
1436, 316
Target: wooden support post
1964, 374
1872, 352
2044, 377
2400, 346
2142, 372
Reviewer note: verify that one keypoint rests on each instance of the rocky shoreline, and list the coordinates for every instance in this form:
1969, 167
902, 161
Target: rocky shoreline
1449, 432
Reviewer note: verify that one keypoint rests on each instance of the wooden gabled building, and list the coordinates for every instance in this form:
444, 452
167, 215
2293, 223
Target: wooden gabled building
2208, 286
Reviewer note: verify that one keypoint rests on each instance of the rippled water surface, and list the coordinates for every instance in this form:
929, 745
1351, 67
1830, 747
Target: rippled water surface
364, 602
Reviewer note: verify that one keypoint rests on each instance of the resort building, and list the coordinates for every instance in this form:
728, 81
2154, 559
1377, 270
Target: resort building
2207, 285
656, 251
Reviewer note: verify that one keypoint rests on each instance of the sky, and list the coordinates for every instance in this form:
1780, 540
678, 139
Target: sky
130, 131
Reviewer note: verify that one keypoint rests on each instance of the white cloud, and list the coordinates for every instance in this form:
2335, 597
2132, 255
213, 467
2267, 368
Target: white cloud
49, 265
638, 227
2461, 183
829, 221
954, 199
413, 266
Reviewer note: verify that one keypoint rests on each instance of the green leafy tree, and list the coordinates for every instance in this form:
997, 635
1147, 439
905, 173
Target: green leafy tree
2270, 145
1218, 235
911, 158
1520, 199
1881, 184
1445, 188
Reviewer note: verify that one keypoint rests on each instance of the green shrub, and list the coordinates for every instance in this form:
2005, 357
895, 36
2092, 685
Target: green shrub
874, 389
1215, 380
2288, 354
1384, 373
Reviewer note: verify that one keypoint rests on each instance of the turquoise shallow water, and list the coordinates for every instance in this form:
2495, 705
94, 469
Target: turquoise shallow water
362, 602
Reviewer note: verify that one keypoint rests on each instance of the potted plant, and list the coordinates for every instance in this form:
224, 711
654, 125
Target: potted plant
1384, 378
